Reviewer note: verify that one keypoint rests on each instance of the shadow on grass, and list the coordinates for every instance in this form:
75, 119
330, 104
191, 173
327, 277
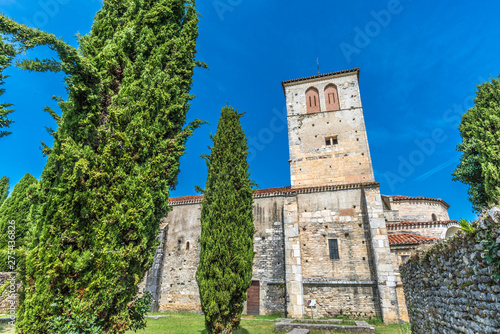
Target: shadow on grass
239, 331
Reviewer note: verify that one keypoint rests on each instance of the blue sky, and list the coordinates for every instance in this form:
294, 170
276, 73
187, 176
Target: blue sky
420, 62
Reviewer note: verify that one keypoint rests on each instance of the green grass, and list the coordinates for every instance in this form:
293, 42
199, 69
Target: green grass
189, 323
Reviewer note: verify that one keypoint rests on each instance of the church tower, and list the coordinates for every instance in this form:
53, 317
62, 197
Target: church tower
326, 131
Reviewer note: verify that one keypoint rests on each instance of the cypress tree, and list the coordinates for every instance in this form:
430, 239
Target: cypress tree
225, 270
7, 52
479, 166
14, 220
115, 157
4, 189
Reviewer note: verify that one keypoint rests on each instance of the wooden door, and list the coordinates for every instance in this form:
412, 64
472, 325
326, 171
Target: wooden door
253, 297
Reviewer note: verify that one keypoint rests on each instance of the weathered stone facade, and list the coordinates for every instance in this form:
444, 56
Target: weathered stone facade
313, 162
292, 261
419, 209
324, 238
451, 288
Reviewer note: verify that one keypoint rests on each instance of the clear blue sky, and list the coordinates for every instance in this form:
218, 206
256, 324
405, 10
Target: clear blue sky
420, 62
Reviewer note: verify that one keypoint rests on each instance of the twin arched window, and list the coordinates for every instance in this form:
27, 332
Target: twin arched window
331, 99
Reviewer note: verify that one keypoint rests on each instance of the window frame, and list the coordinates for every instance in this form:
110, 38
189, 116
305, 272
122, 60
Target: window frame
333, 249
331, 140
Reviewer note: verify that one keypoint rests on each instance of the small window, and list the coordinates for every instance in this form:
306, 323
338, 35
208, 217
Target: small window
434, 217
187, 245
334, 249
330, 141
404, 258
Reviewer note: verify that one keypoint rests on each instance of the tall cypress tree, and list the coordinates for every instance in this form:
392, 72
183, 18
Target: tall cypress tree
7, 52
225, 270
479, 166
4, 189
115, 156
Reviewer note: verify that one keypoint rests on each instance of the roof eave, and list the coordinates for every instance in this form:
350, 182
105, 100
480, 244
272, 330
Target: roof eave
319, 76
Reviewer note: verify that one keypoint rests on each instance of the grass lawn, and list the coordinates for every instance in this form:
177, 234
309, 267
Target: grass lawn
180, 323
194, 323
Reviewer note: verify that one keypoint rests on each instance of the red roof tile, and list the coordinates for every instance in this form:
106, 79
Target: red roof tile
354, 70
419, 198
409, 239
275, 191
186, 199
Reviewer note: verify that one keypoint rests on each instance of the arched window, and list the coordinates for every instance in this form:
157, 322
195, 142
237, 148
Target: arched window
312, 100
187, 245
332, 98
434, 217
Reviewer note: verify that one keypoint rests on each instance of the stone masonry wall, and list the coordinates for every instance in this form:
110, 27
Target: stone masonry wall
179, 289
452, 288
358, 301
312, 162
420, 210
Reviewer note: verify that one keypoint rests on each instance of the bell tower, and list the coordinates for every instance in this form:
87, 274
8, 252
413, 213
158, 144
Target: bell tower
326, 131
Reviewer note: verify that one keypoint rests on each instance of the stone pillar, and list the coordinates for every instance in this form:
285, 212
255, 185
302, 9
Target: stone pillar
293, 261
383, 259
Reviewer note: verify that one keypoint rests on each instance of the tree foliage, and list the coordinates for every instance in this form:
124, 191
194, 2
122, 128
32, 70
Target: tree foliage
225, 270
479, 166
14, 221
4, 189
7, 52
115, 157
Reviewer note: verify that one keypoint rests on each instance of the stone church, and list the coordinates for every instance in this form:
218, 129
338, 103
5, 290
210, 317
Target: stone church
330, 237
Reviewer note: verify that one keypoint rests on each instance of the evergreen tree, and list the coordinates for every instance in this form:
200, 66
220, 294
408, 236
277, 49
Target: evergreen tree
14, 221
479, 166
225, 270
115, 156
7, 52
4, 189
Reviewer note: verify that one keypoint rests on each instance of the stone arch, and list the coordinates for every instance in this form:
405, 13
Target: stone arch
451, 231
312, 100
332, 98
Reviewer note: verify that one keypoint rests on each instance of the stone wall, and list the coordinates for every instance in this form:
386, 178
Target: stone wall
312, 161
451, 288
356, 299
420, 210
179, 289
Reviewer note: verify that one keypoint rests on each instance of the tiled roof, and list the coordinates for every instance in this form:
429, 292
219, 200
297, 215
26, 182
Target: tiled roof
409, 239
403, 224
186, 199
275, 192
420, 198
354, 70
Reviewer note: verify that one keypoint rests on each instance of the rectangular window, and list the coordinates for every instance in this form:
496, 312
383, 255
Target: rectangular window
330, 141
334, 249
